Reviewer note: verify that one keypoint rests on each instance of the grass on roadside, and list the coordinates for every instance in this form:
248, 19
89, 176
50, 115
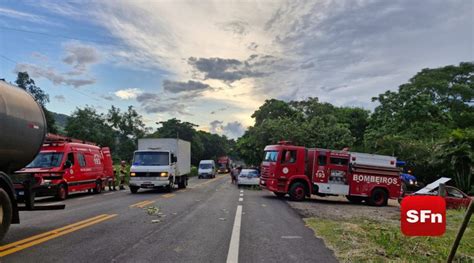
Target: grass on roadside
362, 240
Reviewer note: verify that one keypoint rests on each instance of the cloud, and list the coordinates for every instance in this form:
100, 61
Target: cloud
39, 56
80, 56
230, 70
107, 97
127, 94
233, 129
60, 98
236, 27
22, 16
177, 86
52, 75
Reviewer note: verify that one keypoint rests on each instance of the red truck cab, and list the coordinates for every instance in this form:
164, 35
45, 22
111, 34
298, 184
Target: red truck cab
300, 172
66, 166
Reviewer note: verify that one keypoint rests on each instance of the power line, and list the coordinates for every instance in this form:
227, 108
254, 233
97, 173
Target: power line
108, 41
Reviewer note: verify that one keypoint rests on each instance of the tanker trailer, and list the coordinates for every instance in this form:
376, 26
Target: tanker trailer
22, 131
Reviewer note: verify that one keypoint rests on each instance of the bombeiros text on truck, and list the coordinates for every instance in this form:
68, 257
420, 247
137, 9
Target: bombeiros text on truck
23, 127
300, 172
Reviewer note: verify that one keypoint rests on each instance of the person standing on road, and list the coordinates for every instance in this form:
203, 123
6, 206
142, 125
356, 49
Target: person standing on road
233, 175
122, 174
112, 182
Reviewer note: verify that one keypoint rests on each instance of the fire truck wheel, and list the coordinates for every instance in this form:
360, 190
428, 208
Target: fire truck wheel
62, 192
98, 187
133, 189
5, 213
297, 191
378, 198
280, 195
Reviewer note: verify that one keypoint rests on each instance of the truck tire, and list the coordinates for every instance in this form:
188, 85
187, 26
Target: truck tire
5, 213
183, 182
98, 187
355, 199
62, 192
297, 191
378, 198
133, 189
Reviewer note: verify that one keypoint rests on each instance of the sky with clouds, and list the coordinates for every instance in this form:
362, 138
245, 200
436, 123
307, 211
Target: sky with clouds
213, 63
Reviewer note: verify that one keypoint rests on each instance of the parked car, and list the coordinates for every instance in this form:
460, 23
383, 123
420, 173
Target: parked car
206, 169
248, 177
454, 197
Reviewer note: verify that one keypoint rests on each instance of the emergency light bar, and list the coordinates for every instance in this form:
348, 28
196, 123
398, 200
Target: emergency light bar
55, 138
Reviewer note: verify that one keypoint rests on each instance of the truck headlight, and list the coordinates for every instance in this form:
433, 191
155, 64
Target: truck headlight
411, 181
133, 174
45, 182
164, 174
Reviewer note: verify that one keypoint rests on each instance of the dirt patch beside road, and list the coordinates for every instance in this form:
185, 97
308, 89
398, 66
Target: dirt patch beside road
339, 209
362, 233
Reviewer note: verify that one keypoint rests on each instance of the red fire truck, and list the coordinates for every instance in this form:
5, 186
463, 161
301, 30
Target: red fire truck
300, 172
65, 165
223, 164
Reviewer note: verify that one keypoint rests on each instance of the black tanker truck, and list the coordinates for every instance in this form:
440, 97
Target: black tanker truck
22, 131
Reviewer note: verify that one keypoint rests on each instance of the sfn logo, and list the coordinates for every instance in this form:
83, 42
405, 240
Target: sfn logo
423, 216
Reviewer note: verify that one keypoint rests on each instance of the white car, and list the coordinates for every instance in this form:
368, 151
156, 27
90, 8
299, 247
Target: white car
248, 177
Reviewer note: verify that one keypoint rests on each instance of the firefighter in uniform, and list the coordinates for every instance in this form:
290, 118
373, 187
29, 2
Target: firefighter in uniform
122, 174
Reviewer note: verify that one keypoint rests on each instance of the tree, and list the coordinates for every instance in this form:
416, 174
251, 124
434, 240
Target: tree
87, 124
25, 82
204, 145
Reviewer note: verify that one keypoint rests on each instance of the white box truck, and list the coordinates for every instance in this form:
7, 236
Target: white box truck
160, 162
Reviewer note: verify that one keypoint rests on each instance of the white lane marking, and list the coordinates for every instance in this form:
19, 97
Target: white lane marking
83, 198
241, 191
233, 254
109, 193
291, 237
241, 194
241, 199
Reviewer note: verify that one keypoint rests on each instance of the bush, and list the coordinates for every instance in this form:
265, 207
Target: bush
194, 171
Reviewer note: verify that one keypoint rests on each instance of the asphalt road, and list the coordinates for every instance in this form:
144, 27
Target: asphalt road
210, 221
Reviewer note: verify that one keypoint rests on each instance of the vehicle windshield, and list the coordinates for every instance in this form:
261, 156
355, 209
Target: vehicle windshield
270, 156
249, 173
205, 166
151, 158
46, 160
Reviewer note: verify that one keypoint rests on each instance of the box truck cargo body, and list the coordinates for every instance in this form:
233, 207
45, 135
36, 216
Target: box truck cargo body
160, 162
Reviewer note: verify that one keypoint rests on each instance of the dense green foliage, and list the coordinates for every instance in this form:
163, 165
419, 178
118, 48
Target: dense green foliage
25, 82
204, 145
309, 123
428, 122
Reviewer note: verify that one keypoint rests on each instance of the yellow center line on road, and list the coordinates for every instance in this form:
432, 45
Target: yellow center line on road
207, 182
142, 205
168, 195
38, 239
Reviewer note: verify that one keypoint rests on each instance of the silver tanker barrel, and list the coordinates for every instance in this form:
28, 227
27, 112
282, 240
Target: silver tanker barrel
22, 128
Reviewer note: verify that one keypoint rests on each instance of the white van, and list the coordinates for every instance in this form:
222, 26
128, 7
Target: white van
207, 169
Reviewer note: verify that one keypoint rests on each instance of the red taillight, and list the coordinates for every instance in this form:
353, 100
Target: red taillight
392, 162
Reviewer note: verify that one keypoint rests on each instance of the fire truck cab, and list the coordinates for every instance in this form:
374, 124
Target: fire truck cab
300, 172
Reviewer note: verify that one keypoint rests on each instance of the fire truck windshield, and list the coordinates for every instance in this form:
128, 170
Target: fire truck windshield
46, 160
270, 156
